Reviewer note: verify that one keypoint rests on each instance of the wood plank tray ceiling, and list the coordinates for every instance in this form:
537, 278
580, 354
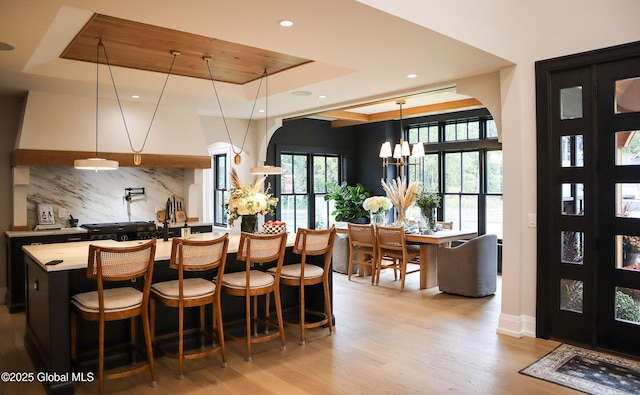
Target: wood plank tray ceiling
145, 47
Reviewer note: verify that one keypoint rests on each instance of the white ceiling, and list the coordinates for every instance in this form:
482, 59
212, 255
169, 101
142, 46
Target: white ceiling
359, 54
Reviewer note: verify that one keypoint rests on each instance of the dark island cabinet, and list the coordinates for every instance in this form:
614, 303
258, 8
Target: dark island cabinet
15, 296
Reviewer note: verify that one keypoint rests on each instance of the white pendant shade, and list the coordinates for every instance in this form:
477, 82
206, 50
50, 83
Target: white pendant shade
95, 164
418, 150
266, 170
397, 151
405, 148
385, 150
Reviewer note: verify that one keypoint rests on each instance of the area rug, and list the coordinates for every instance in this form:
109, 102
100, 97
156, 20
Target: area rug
588, 371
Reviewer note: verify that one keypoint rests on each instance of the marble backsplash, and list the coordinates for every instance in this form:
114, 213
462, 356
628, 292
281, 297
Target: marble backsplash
94, 197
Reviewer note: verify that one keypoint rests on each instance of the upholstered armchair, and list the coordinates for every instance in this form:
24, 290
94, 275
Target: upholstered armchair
469, 269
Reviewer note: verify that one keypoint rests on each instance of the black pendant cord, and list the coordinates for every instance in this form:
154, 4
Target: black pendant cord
175, 54
224, 120
266, 115
97, 90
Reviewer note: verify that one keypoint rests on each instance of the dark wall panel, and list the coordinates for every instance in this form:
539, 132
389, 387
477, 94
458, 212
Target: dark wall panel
359, 145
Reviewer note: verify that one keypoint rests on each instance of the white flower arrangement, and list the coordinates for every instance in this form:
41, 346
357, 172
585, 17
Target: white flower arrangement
248, 199
377, 204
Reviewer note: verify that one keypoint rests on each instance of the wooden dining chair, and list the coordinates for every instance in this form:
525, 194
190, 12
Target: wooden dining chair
310, 242
111, 304
391, 243
362, 249
258, 249
193, 256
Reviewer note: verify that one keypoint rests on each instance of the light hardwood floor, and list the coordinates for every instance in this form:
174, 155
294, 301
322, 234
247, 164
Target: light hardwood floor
386, 342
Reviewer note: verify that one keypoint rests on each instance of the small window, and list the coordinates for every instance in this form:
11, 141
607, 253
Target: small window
572, 247
628, 200
627, 148
572, 199
571, 103
627, 302
572, 151
220, 190
571, 295
627, 93
628, 252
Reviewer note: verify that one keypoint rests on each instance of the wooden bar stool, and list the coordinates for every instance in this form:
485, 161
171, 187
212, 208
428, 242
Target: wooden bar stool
193, 256
258, 249
309, 243
117, 264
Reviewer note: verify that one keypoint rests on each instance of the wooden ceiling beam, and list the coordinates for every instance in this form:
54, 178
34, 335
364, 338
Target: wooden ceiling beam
343, 121
345, 115
29, 157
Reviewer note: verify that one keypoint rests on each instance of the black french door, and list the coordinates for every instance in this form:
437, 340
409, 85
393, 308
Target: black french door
589, 198
618, 271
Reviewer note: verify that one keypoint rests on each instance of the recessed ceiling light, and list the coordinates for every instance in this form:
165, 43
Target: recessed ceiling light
135, 96
301, 93
322, 97
412, 75
286, 23
260, 110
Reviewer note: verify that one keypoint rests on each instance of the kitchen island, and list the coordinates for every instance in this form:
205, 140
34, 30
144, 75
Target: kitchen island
49, 290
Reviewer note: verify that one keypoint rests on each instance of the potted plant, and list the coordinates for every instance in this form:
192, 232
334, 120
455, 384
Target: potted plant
428, 203
348, 201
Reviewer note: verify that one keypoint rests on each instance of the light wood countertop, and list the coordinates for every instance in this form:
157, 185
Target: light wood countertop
75, 254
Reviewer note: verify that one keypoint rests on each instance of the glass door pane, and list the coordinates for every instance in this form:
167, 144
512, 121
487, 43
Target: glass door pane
627, 94
571, 103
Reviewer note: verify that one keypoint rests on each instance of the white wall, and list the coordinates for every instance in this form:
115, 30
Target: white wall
69, 124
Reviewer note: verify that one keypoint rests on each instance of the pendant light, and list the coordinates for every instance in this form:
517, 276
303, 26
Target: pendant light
401, 151
237, 159
96, 163
266, 169
137, 153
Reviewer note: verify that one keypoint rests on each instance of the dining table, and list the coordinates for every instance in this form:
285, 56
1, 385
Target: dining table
429, 244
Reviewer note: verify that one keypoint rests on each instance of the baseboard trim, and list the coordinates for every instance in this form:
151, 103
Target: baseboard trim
517, 326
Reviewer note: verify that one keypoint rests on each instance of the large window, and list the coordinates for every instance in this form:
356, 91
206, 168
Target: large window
462, 189
215, 184
462, 163
303, 185
220, 189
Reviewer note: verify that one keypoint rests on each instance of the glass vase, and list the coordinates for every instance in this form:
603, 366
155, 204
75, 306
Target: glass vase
379, 218
429, 220
249, 223
400, 218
